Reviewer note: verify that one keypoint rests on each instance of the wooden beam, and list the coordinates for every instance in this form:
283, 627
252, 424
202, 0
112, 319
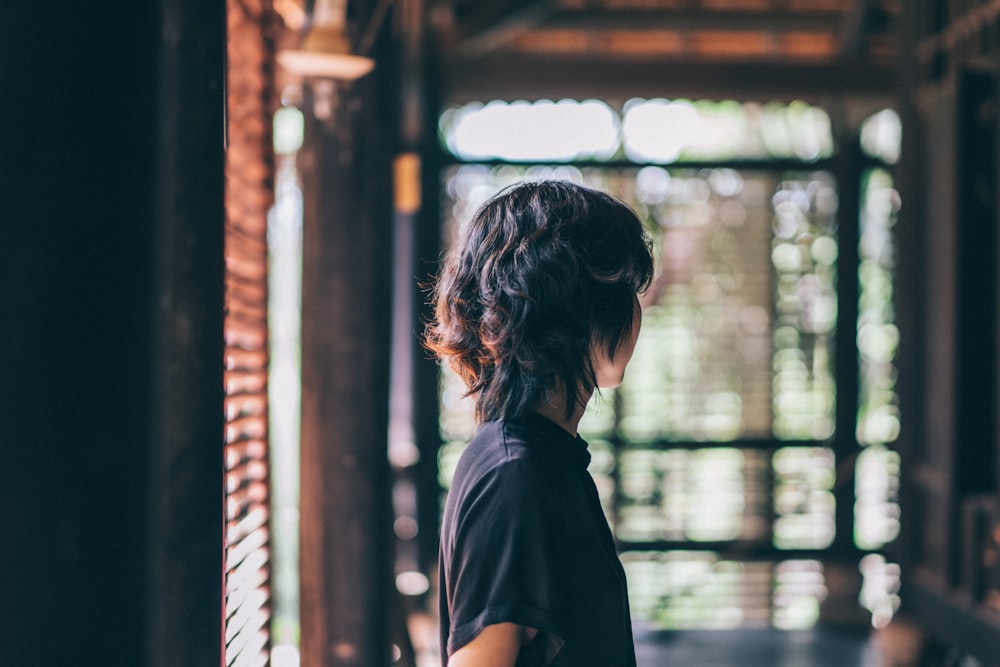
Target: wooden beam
526, 77
855, 28
690, 18
494, 24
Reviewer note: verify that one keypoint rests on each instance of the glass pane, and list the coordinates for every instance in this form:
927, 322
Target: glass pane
543, 130
667, 131
880, 588
677, 590
702, 364
712, 494
658, 131
457, 412
448, 456
803, 254
599, 418
602, 469
799, 588
804, 506
876, 497
881, 136
878, 336
876, 509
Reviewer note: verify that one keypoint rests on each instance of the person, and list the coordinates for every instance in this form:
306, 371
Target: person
535, 308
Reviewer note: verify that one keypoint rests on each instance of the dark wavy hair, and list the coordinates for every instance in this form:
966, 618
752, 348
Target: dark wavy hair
543, 271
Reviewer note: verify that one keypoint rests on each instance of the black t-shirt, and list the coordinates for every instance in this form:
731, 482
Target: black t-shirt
524, 540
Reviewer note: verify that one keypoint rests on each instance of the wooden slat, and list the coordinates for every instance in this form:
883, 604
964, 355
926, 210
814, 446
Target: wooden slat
238, 451
249, 184
246, 405
236, 382
245, 360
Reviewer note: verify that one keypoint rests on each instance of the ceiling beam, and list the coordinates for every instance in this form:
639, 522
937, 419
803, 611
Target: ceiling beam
696, 19
494, 24
859, 23
518, 76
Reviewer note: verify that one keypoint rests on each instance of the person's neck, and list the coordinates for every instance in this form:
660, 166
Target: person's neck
555, 411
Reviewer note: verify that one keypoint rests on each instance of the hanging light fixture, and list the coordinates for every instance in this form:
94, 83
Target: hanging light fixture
325, 51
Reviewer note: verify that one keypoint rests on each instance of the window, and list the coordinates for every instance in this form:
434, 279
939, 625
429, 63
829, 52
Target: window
715, 459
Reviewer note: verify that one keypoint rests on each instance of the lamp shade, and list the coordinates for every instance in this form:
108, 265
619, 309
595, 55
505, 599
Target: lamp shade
325, 51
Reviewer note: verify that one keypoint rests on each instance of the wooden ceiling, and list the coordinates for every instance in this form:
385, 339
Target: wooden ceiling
695, 48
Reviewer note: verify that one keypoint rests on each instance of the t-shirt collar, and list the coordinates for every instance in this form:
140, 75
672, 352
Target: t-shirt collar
564, 444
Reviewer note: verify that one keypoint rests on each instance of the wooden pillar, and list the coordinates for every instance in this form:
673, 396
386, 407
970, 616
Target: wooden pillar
111, 191
976, 296
419, 104
910, 237
848, 171
186, 436
345, 525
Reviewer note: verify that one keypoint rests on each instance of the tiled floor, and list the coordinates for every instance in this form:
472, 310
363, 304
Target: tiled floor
774, 648
896, 646
749, 648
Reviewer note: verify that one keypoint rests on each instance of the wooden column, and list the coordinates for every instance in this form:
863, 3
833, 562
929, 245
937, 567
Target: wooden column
420, 108
346, 522
848, 171
111, 191
186, 426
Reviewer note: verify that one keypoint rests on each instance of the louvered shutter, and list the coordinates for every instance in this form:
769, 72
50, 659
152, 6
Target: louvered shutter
249, 193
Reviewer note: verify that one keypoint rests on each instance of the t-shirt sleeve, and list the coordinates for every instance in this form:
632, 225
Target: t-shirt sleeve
501, 568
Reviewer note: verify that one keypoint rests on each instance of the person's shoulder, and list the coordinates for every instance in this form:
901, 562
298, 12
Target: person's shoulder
499, 451
501, 441
508, 443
